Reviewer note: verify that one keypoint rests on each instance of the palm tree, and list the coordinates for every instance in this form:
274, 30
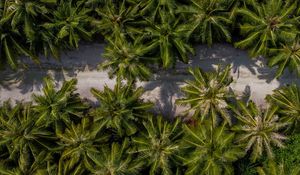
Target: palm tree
210, 150
257, 129
22, 139
266, 24
126, 59
271, 168
77, 143
171, 38
24, 14
56, 106
288, 56
115, 160
207, 94
210, 20
158, 144
288, 100
121, 108
117, 16
69, 23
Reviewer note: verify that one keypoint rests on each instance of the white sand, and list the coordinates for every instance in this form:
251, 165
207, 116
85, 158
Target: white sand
164, 89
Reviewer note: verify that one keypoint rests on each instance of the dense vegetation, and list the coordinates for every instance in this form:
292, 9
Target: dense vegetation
60, 133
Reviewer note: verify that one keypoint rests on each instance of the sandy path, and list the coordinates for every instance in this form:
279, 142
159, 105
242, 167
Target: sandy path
164, 89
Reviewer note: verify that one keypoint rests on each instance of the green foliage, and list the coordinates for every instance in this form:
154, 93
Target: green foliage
158, 144
290, 154
207, 94
115, 160
121, 108
266, 24
210, 20
210, 150
288, 100
257, 129
69, 23
287, 56
58, 105
271, 168
170, 37
126, 59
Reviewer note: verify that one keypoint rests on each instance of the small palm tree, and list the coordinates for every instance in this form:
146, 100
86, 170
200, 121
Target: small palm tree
266, 24
22, 139
271, 168
210, 150
210, 20
127, 59
77, 143
207, 94
171, 39
258, 130
115, 160
288, 56
288, 100
58, 105
158, 144
69, 23
121, 108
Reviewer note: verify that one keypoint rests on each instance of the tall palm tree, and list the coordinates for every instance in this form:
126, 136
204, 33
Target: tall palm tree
210, 150
287, 56
70, 23
120, 108
126, 59
207, 94
56, 106
77, 143
171, 38
115, 160
265, 24
257, 129
210, 20
158, 144
271, 168
288, 100
22, 139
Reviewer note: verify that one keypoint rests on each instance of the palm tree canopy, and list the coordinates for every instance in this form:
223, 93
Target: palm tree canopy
121, 108
257, 129
271, 168
207, 93
158, 144
266, 24
210, 150
288, 100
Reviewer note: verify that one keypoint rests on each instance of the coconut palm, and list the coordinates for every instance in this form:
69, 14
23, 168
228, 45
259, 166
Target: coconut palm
115, 160
266, 24
77, 142
24, 14
126, 59
70, 23
22, 139
116, 16
210, 150
288, 100
271, 168
158, 144
210, 20
207, 94
171, 39
288, 56
257, 129
120, 108
63, 105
